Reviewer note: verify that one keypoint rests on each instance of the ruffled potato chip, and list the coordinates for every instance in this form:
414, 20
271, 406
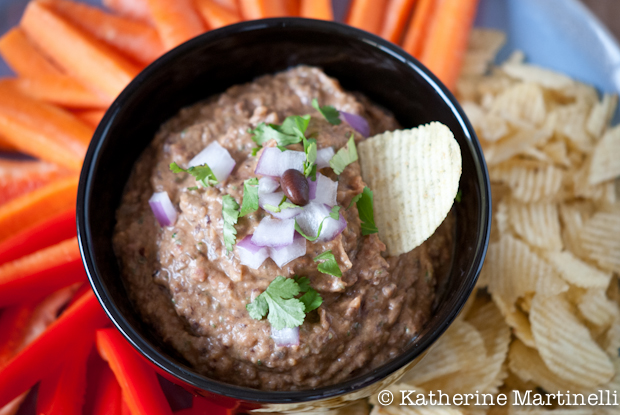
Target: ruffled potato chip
600, 237
537, 75
529, 181
537, 223
606, 158
577, 272
595, 307
601, 114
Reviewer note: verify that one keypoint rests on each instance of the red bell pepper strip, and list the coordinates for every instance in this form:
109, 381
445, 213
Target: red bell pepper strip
13, 328
138, 380
41, 273
202, 406
125, 408
62, 393
50, 232
109, 399
44, 355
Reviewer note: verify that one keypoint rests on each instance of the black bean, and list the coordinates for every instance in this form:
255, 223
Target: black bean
295, 187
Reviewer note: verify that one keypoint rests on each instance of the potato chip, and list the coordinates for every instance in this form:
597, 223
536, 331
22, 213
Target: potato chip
557, 152
606, 158
416, 410
597, 308
481, 50
522, 102
493, 127
602, 192
515, 144
535, 74
601, 114
569, 121
612, 340
529, 181
573, 217
536, 223
459, 348
577, 272
517, 320
565, 344
414, 175
600, 238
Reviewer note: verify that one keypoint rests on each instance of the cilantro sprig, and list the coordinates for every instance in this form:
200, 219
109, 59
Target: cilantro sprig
331, 114
203, 173
250, 196
281, 206
343, 157
334, 214
328, 264
310, 149
291, 131
279, 304
365, 210
230, 214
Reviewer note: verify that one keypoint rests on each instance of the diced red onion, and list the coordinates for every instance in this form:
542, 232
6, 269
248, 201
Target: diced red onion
274, 199
323, 156
163, 209
274, 162
267, 185
285, 337
332, 228
250, 254
311, 188
326, 190
217, 158
358, 122
284, 255
274, 232
310, 220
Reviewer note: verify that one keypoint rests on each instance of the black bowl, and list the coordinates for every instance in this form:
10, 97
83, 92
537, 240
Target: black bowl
208, 65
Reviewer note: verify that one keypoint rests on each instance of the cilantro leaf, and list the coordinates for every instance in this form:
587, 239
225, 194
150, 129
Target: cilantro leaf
279, 304
335, 213
310, 164
258, 308
331, 114
230, 214
311, 300
366, 212
203, 174
355, 199
458, 197
345, 156
328, 264
295, 125
291, 131
303, 283
281, 206
250, 196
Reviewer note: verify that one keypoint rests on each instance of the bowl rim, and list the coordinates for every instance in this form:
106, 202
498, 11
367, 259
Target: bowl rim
204, 383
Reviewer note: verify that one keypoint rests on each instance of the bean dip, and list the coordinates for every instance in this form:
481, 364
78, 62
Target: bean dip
194, 293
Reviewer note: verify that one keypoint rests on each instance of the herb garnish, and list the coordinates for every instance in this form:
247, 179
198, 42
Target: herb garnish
365, 211
203, 173
334, 214
278, 302
291, 131
331, 114
281, 206
310, 164
345, 156
458, 197
250, 196
329, 264
230, 214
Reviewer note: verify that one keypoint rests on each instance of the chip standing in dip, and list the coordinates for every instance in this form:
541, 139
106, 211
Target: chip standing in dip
270, 271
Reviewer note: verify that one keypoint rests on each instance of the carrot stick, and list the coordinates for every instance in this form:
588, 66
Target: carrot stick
42, 130
90, 61
133, 9
260, 9
396, 16
367, 14
41, 273
21, 177
136, 39
37, 206
216, 15
418, 28
292, 7
5, 145
447, 39
90, 117
43, 80
176, 21
317, 9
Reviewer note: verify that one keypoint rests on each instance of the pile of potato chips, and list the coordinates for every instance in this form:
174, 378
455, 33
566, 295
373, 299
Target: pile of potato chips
546, 316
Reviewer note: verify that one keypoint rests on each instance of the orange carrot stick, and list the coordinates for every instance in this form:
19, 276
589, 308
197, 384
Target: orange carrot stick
43, 80
367, 14
42, 130
20, 177
90, 61
216, 15
418, 28
317, 9
396, 16
133, 9
176, 21
292, 7
447, 39
5, 145
37, 206
136, 39
260, 9
90, 117
232, 5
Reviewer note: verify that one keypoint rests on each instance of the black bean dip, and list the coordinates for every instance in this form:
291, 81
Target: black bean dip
194, 295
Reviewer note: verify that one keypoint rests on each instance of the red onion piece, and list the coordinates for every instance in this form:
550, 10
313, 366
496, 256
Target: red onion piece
274, 162
326, 190
284, 255
323, 156
285, 337
274, 232
251, 255
311, 188
332, 228
267, 185
358, 122
311, 218
163, 209
217, 158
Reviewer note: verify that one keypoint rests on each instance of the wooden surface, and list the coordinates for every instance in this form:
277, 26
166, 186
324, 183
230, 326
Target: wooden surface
609, 13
